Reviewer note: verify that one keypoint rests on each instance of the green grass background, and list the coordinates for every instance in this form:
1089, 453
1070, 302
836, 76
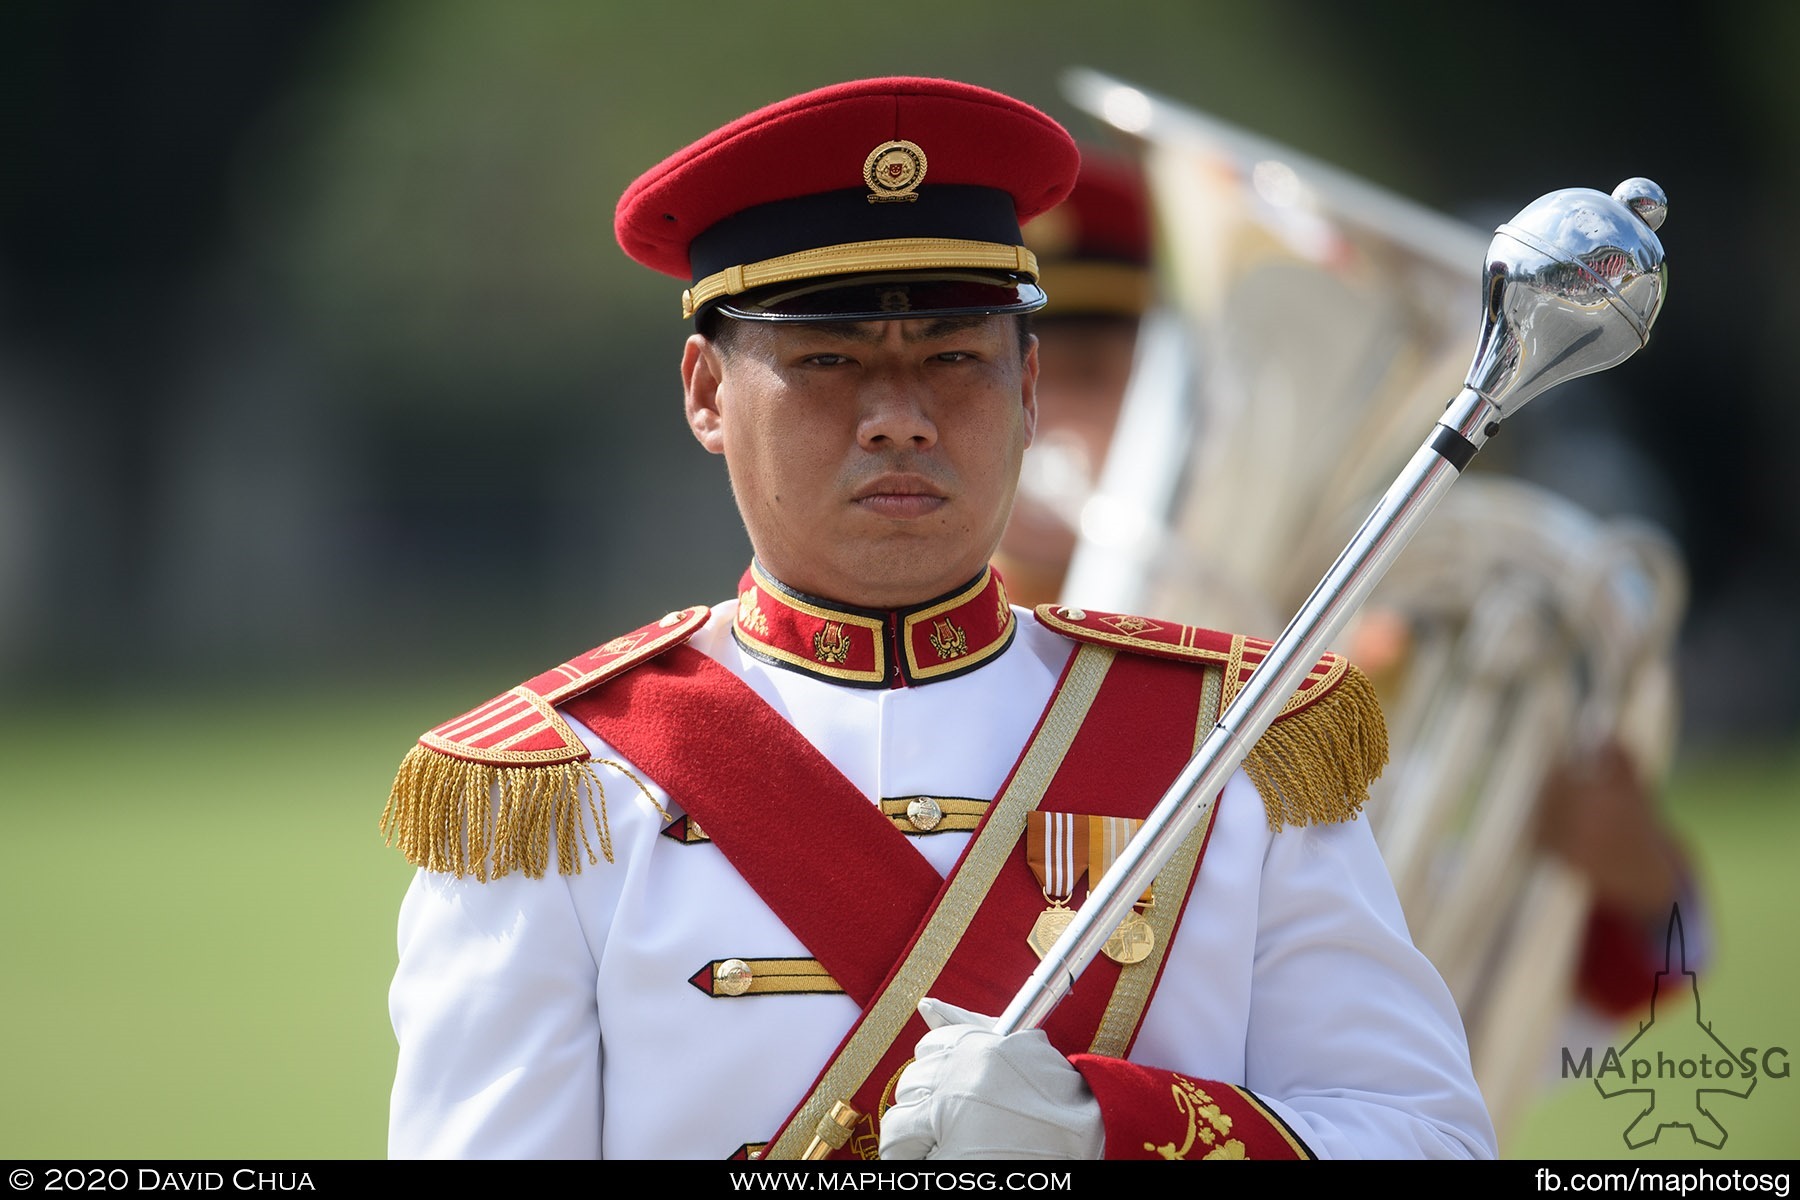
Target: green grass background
200, 914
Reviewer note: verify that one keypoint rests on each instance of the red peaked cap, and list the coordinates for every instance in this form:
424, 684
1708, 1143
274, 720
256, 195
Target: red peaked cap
790, 178
1094, 249
1106, 216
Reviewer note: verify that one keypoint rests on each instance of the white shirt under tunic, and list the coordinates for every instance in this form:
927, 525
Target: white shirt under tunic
553, 1017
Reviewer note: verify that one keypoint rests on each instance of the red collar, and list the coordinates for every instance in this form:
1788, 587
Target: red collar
873, 647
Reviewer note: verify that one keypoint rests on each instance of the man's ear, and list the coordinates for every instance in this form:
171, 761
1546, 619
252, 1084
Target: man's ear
702, 371
1028, 387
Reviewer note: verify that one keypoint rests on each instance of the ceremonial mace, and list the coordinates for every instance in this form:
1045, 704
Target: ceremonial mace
1571, 286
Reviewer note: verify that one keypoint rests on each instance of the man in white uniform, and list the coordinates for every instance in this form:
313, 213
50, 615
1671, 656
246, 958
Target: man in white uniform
742, 881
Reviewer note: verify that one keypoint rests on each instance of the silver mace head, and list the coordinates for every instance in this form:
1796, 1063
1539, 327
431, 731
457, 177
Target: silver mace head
1574, 283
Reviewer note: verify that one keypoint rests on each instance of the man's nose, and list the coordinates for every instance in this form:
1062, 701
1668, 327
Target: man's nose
894, 412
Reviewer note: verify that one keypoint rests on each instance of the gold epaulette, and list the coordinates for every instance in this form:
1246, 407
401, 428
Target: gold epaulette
482, 793
1324, 748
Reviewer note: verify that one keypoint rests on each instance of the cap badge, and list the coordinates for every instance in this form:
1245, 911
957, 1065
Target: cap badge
894, 171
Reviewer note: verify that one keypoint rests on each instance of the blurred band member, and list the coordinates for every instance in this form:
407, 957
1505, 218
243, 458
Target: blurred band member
1094, 251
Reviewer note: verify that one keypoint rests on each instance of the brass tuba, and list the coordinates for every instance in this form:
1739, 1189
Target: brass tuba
1309, 326
1535, 631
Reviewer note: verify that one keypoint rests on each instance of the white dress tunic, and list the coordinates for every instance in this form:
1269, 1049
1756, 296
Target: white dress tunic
554, 1017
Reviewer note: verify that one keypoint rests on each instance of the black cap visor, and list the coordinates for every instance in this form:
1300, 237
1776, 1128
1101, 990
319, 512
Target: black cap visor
886, 296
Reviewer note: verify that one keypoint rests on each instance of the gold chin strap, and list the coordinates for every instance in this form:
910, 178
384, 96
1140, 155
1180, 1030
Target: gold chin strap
892, 254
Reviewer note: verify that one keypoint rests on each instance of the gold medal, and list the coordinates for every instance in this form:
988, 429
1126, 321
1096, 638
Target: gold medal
1132, 941
1050, 925
1061, 848
1058, 858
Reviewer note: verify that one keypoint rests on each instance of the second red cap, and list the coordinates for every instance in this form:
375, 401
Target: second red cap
1094, 249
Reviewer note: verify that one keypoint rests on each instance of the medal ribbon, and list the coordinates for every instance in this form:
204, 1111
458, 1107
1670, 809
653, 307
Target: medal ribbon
1062, 847
1058, 858
1107, 839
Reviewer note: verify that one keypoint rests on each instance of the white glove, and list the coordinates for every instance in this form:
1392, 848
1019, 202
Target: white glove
972, 1093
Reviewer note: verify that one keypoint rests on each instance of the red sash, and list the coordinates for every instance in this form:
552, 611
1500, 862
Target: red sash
852, 890
857, 893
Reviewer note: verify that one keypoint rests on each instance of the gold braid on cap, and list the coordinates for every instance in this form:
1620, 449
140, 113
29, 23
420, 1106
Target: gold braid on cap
891, 254
1121, 289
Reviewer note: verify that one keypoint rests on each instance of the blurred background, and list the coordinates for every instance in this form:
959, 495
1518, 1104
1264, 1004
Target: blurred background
329, 407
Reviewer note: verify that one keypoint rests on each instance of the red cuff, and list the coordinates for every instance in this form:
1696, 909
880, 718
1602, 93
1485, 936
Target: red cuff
1152, 1113
1617, 974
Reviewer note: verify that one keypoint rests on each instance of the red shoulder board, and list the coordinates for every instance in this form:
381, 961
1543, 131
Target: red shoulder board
1238, 654
522, 727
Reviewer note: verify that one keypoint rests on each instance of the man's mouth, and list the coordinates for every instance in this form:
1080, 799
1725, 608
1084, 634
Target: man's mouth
900, 496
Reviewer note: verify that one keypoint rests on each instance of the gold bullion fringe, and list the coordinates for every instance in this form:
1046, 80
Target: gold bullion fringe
1316, 766
464, 818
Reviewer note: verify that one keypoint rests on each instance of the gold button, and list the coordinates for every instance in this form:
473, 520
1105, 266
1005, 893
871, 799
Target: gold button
732, 977
924, 813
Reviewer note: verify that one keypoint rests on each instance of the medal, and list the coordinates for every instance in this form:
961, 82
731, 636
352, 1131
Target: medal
1058, 859
1049, 926
1133, 940
1063, 847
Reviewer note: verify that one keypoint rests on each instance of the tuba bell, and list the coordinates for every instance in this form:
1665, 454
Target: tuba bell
1532, 631
1307, 326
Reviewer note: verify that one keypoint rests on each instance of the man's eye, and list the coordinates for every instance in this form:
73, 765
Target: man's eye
827, 360
954, 356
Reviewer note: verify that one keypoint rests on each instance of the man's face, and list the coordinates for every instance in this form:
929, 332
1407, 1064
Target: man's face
874, 462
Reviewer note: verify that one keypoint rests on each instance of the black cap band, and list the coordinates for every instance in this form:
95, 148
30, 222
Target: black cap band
846, 216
